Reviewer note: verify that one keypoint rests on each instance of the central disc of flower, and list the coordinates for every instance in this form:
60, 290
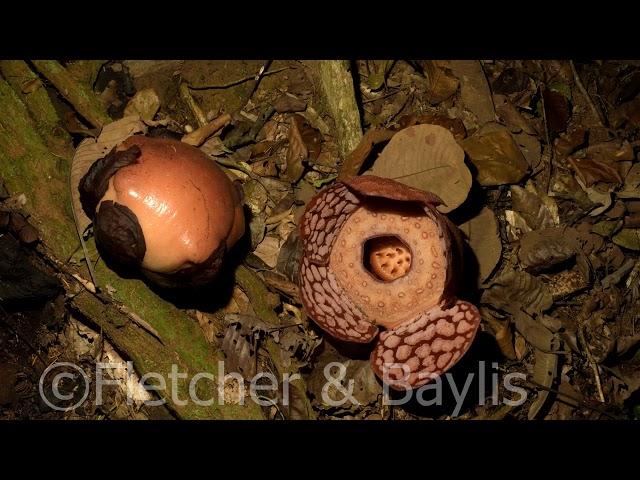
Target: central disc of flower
387, 258
391, 260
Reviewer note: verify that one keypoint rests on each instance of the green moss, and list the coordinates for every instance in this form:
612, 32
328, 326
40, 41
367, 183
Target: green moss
27, 166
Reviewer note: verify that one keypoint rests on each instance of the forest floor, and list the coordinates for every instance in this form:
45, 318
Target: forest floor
551, 221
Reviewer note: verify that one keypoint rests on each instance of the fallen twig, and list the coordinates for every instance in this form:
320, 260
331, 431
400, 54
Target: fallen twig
588, 307
235, 82
586, 95
199, 136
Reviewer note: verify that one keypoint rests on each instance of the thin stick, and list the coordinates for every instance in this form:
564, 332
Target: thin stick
592, 363
236, 82
586, 95
193, 106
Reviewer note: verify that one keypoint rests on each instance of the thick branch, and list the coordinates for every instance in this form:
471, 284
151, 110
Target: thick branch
78, 94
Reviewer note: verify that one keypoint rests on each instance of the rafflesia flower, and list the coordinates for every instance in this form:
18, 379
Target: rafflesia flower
377, 254
164, 207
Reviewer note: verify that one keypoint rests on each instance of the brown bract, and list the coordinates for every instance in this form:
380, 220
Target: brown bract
377, 253
164, 206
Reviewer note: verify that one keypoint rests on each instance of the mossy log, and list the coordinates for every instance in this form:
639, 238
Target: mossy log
336, 82
78, 94
27, 166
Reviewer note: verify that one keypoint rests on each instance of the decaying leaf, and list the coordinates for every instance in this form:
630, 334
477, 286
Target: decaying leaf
543, 249
145, 103
240, 351
556, 110
483, 237
513, 290
366, 389
545, 372
537, 209
592, 171
441, 84
297, 152
268, 250
510, 115
91, 150
289, 257
475, 94
454, 125
631, 188
534, 332
613, 151
628, 238
569, 142
427, 157
599, 195
496, 155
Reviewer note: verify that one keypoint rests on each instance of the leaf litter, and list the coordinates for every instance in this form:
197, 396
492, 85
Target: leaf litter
547, 201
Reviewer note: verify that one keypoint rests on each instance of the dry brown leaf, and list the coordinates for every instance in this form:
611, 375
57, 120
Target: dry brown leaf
475, 94
454, 125
514, 290
543, 249
598, 195
268, 250
496, 156
534, 332
631, 188
537, 209
427, 157
545, 372
567, 143
593, 171
613, 151
511, 117
441, 84
297, 152
556, 110
484, 239
354, 161
628, 238
145, 103
91, 150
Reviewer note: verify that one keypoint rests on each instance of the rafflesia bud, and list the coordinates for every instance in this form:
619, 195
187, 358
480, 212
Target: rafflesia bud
377, 253
163, 206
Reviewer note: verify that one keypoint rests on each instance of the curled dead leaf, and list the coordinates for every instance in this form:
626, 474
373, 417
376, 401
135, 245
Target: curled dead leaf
536, 208
514, 290
496, 156
544, 249
440, 83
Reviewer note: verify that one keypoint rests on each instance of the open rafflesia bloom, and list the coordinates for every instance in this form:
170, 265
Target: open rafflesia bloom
377, 253
163, 206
